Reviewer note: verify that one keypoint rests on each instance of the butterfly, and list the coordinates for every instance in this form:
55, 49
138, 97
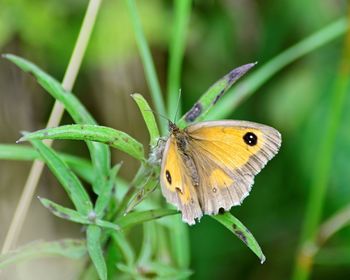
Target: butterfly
210, 166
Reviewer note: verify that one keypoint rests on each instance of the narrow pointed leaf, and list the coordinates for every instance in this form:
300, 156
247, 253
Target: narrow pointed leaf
125, 247
107, 225
100, 154
115, 138
74, 216
201, 108
147, 189
64, 212
93, 240
236, 227
107, 193
135, 218
66, 177
148, 117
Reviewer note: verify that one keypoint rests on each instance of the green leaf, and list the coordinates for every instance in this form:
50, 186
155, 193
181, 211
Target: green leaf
125, 247
149, 242
100, 154
264, 73
74, 216
147, 189
66, 177
135, 218
201, 108
107, 193
148, 117
93, 240
71, 103
107, 225
115, 138
68, 248
80, 166
180, 243
63, 212
235, 226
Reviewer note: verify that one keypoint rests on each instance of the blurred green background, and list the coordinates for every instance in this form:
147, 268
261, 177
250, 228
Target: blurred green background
221, 36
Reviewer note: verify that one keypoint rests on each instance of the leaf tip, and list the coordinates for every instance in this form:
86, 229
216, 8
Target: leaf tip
262, 259
22, 139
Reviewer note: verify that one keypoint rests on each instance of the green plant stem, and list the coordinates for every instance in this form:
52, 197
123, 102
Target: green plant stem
147, 61
179, 236
259, 77
322, 169
55, 117
182, 11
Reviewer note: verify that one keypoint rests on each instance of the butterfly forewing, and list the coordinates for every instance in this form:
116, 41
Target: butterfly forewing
227, 155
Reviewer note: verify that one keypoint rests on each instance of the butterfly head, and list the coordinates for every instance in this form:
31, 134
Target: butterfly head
173, 128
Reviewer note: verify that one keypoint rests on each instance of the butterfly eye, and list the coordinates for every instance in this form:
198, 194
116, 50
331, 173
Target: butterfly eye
168, 176
250, 139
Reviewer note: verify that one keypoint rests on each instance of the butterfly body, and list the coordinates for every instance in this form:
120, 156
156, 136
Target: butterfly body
211, 166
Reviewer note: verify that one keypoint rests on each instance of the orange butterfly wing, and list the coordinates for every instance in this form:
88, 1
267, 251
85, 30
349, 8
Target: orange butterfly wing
176, 183
228, 154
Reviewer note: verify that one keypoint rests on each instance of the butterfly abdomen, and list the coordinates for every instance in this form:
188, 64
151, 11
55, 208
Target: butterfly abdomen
191, 169
182, 140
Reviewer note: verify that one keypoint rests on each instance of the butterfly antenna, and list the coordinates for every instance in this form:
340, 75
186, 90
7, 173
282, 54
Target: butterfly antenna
164, 117
177, 105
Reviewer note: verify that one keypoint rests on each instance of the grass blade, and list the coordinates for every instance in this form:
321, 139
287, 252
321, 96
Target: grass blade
250, 85
68, 248
182, 11
66, 177
147, 61
93, 237
115, 138
71, 103
100, 154
236, 227
323, 164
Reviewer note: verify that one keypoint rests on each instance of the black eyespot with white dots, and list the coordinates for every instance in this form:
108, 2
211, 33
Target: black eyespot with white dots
250, 139
168, 176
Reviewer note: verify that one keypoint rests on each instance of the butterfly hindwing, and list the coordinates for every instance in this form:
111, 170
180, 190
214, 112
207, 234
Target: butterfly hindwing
176, 183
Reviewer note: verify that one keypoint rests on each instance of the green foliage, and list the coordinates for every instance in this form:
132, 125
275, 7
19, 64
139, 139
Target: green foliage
68, 248
120, 208
116, 139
